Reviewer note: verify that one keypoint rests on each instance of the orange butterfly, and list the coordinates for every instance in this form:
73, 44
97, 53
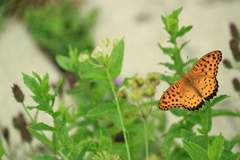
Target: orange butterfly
198, 86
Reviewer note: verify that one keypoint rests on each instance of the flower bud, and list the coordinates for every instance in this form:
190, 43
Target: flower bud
83, 57
97, 53
139, 81
236, 84
234, 31
236, 55
122, 93
233, 45
135, 95
5, 133
227, 63
18, 94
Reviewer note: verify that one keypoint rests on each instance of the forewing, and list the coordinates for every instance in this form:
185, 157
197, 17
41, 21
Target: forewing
173, 96
207, 66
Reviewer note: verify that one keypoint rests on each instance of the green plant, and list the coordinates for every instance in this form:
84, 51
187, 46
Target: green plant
118, 121
65, 26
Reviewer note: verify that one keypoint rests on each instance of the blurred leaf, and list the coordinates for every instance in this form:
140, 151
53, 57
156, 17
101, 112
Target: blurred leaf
45, 157
64, 62
115, 66
41, 127
1, 149
223, 112
234, 156
67, 152
101, 109
230, 144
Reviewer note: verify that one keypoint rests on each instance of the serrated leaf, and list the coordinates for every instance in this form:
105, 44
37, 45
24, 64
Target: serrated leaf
168, 65
64, 62
101, 109
195, 151
187, 135
184, 30
45, 157
216, 148
41, 127
67, 152
60, 81
167, 51
31, 83
115, 66
1, 149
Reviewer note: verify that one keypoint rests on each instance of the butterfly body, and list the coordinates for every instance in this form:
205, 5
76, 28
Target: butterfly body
199, 85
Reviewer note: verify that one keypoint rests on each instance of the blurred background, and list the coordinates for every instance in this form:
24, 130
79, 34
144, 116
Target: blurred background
32, 33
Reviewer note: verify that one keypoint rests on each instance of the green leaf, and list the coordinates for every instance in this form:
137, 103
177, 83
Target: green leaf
206, 120
195, 151
216, 100
168, 65
67, 152
55, 143
187, 135
139, 129
230, 144
182, 45
45, 157
41, 138
1, 149
184, 30
64, 62
60, 81
216, 148
167, 51
234, 156
101, 109
95, 73
115, 66
31, 83
223, 112
41, 127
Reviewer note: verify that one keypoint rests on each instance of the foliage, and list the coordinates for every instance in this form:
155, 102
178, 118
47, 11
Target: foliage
118, 121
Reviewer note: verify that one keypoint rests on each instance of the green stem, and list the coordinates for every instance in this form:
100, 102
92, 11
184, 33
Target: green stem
119, 112
146, 138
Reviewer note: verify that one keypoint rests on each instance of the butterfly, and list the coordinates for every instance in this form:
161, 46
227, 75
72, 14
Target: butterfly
199, 85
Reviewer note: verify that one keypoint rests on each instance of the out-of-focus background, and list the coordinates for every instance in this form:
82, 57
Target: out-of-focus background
32, 33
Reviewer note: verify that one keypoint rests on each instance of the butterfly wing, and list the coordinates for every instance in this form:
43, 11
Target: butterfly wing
207, 87
173, 96
207, 66
180, 95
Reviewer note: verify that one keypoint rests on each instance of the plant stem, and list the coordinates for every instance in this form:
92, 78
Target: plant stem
119, 112
146, 138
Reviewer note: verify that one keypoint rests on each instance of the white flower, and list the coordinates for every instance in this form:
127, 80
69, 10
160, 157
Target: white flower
83, 57
97, 53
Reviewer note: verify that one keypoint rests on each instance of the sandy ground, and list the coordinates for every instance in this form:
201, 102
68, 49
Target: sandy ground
139, 23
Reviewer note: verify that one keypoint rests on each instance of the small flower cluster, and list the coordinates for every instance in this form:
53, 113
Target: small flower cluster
139, 88
20, 124
235, 49
18, 94
102, 56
